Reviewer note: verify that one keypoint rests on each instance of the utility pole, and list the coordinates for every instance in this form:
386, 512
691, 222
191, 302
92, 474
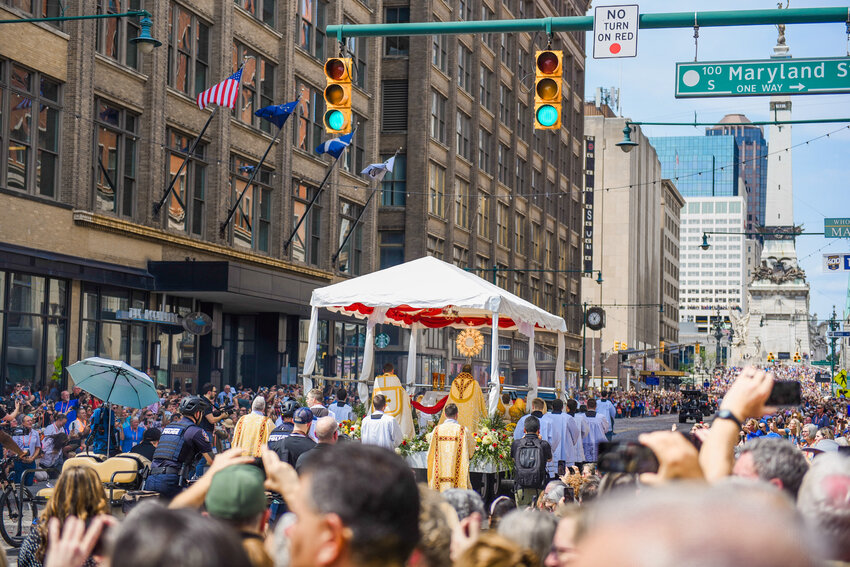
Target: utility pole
584, 347
833, 326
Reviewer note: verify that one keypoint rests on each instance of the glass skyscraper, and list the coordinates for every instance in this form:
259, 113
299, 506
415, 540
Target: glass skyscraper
752, 153
700, 166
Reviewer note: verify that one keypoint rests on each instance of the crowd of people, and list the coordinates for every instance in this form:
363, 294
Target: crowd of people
266, 478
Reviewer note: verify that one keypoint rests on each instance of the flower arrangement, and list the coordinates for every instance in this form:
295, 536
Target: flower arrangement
414, 445
493, 443
352, 429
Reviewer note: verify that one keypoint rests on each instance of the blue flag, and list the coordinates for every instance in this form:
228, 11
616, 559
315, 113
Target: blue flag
277, 113
336, 146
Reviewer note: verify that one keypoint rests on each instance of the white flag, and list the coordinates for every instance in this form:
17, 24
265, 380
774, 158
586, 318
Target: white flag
379, 170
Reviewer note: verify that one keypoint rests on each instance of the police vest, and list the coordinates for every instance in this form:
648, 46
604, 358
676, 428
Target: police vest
278, 437
171, 442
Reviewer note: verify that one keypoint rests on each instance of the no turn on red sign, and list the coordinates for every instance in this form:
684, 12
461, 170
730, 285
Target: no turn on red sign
615, 31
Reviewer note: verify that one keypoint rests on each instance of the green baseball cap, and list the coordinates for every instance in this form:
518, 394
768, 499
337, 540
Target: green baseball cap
236, 493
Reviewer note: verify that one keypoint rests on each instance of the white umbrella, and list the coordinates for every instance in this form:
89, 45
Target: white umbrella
114, 382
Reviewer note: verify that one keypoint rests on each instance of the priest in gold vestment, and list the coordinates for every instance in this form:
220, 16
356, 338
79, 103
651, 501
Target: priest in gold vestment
398, 402
450, 448
466, 395
252, 430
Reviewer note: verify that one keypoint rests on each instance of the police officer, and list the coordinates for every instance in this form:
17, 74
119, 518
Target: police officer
179, 445
282, 431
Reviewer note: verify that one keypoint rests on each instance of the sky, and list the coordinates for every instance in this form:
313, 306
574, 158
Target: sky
821, 169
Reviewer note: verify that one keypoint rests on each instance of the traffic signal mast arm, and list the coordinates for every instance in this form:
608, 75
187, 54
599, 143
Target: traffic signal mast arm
584, 23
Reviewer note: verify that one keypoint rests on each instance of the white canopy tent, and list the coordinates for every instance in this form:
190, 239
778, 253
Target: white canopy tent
430, 293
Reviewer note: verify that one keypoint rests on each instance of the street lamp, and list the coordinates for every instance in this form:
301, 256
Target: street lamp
705, 243
146, 42
627, 144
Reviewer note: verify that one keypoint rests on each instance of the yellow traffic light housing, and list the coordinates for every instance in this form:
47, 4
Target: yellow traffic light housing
547, 89
337, 118
770, 357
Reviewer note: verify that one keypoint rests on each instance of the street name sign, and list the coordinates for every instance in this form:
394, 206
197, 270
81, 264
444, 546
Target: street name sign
821, 363
836, 262
836, 228
615, 31
825, 75
837, 334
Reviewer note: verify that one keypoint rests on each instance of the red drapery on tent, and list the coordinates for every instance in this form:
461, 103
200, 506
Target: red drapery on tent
430, 410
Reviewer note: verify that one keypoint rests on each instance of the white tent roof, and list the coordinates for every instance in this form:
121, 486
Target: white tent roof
434, 293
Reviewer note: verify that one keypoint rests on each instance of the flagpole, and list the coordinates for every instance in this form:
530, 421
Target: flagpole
360, 216
159, 205
232, 211
316, 195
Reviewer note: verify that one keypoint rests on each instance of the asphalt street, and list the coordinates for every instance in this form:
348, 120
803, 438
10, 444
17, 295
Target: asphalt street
629, 429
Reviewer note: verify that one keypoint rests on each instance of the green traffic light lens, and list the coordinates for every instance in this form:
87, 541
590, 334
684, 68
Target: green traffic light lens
547, 115
335, 120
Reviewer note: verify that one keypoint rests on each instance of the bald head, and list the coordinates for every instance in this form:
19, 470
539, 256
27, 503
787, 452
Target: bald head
698, 526
326, 428
259, 404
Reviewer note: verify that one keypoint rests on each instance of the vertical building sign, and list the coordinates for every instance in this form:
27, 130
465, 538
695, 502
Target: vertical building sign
587, 233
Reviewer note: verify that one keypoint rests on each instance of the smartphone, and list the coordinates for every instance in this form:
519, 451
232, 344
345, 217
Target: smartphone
785, 393
626, 457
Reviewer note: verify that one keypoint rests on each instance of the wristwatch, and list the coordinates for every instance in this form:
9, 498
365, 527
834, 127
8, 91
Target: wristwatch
726, 414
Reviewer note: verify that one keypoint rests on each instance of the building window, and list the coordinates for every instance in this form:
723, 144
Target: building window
397, 46
485, 88
502, 214
263, 10
484, 161
464, 67
436, 190
257, 88
311, 107
305, 244
392, 248
522, 121
435, 246
312, 17
394, 184
504, 103
483, 214
521, 173
535, 291
504, 163
464, 134
464, 10
34, 111
393, 106
104, 333
188, 51
252, 220
357, 50
348, 345
439, 52
506, 51
487, 13
460, 256
352, 158
519, 234
113, 35
535, 241
438, 117
461, 203
34, 324
115, 149
186, 202
38, 8
350, 254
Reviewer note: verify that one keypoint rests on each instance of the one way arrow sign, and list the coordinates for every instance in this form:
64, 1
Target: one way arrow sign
798, 87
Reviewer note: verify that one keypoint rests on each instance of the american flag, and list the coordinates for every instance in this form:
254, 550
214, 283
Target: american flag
222, 94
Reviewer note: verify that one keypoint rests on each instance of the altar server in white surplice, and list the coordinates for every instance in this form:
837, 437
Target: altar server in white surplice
380, 428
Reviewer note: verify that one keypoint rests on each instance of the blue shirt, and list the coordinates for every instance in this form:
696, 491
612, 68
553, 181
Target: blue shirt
131, 438
69, 408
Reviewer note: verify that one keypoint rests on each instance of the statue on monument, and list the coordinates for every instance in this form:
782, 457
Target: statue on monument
781, 27
741, 326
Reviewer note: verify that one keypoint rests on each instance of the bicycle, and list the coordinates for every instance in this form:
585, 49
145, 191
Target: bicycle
18, 507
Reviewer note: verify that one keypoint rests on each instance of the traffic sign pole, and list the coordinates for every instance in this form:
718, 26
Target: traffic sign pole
585, 23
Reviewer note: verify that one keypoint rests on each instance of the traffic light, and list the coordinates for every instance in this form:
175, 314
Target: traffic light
770, 357
696, 349
662, 346
547, 90
616, 346
337, 117
797, 357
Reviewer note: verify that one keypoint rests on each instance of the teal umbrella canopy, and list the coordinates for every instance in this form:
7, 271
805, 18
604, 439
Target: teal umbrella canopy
114, 382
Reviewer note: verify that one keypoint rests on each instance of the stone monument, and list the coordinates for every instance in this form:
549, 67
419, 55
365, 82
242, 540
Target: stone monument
778, 319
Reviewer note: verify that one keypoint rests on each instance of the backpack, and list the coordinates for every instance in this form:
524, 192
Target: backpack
530, 466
